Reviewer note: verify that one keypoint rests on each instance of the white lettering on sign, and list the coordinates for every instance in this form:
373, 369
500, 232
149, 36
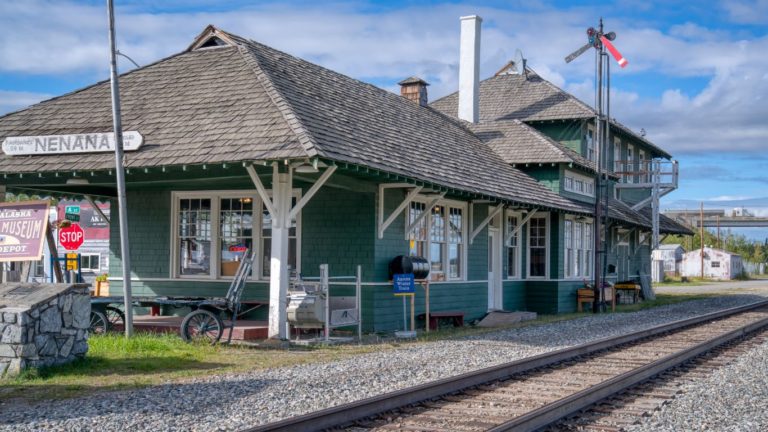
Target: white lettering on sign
61, 144
71, 237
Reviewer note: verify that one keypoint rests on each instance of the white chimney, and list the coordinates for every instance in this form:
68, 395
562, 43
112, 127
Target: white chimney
469, 68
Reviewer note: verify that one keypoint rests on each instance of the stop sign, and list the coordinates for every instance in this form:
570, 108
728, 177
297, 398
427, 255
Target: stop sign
71, 237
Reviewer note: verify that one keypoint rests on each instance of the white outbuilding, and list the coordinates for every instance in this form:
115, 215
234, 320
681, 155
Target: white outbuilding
672, 255
718, 264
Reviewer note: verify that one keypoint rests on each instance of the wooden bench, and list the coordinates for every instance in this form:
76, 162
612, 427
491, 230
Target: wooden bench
587, 295
456, 317
628, 290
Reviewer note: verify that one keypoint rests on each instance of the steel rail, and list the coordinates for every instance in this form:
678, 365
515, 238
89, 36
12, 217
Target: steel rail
347, 413
555, 411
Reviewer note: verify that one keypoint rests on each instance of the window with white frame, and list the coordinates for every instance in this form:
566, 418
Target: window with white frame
591, 144
578, 183
90, 262
194, 236
455, 242
513, 246
537, 247
39, 270
214, 229
630, 164
568, 235
641, 167
578, 247
616, 155
439, 236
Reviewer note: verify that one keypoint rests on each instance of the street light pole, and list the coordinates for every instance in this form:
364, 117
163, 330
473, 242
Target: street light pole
120, 174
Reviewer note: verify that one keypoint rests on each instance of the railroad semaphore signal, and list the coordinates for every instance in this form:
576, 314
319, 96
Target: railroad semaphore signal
601, 41
597, 39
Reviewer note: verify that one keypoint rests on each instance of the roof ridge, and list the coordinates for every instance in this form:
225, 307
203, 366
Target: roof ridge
305, 138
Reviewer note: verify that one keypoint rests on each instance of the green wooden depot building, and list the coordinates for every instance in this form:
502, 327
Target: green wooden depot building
244, 145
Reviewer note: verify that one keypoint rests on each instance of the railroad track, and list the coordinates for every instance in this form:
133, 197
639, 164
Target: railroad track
535, 392
630, 406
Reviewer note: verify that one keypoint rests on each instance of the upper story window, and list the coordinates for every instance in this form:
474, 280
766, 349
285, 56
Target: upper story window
616, 155
538, 250
630, 164
642, 167
579, 184
439, 237
591, 154
213, 230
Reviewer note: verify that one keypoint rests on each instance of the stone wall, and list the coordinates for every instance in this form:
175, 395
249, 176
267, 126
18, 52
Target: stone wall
47, 333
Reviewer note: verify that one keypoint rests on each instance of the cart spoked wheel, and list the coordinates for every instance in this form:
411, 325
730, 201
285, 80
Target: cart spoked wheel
115, 317
202, 325
99, 323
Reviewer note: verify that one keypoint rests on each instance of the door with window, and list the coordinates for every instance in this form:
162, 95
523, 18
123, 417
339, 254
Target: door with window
495, 300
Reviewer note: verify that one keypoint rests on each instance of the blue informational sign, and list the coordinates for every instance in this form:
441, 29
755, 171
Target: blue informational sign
403, 284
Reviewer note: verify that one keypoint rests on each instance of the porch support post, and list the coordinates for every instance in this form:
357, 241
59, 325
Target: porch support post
282, 185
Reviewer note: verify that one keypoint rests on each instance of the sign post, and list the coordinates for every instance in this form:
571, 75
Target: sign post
125, 251
403, 285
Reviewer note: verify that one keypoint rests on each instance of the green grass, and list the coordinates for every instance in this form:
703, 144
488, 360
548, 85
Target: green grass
663, 300
115, 363
690, 282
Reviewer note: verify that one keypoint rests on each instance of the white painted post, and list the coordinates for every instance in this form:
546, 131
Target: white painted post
278, 275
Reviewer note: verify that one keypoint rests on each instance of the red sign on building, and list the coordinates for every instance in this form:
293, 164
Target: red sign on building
71, 237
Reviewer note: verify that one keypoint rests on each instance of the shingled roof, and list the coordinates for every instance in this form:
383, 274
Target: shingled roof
518, 143
621, 211
246, 101
196, 107
529, 97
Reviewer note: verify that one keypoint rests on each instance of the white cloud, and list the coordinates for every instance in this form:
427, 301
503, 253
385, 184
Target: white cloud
14, 100
728, 198
747, 11
46, 37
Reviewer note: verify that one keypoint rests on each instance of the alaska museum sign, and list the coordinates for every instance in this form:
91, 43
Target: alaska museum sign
22, 230
62, 144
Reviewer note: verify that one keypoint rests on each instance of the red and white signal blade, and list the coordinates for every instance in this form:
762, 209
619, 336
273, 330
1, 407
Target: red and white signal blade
616, 54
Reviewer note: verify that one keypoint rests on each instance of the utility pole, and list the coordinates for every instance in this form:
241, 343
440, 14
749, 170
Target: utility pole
125, 251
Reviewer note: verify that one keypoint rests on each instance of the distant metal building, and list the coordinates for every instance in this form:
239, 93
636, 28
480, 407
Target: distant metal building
718, 264
672, 255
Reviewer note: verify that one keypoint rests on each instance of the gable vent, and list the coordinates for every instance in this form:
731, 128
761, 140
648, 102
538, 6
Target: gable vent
213, 41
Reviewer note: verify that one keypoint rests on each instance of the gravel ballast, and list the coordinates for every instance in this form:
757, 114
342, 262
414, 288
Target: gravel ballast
733, 398
236, 401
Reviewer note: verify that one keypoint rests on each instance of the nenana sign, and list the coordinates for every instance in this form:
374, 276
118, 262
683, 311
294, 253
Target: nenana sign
63, 144
22, 230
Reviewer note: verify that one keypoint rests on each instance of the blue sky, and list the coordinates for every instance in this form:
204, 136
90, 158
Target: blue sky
697, 78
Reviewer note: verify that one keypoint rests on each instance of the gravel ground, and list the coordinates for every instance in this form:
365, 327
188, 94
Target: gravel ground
231, 402
734, 398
